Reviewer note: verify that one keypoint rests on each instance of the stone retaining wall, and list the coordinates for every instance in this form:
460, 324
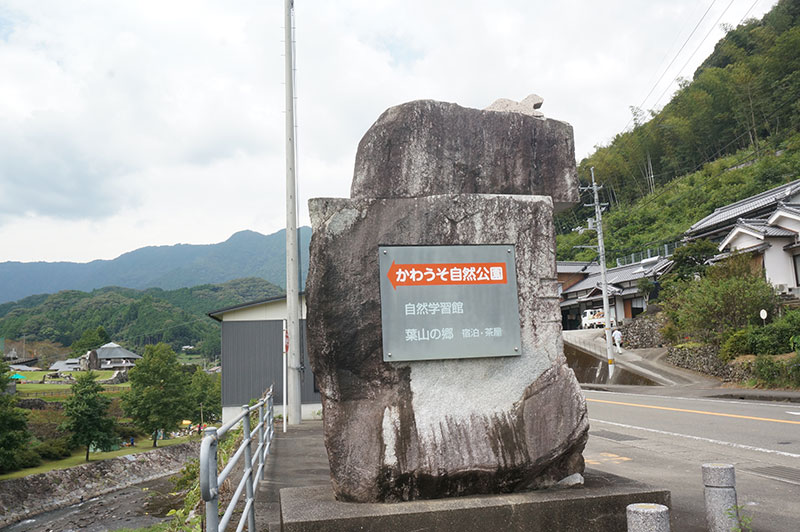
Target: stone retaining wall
21, 498
643, 332
705, 360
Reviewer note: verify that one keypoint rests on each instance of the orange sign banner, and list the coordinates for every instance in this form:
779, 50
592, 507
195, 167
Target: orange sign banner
469, 273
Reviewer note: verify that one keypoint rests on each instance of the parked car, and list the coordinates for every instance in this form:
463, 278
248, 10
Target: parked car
595, 318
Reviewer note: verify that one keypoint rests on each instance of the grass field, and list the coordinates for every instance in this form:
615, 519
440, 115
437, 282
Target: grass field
37, 375
53, 391
77, 458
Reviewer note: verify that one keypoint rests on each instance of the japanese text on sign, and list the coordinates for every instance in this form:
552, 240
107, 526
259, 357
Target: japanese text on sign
440, 302
447, 274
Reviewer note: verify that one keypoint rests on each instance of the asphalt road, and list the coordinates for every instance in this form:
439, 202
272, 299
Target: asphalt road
663, 441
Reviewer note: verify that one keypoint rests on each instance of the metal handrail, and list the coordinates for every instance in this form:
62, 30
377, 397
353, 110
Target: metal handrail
210, 480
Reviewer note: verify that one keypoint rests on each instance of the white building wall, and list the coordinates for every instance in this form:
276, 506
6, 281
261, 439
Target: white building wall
778, 265
743, 241
788, 223
619, 309
274, 310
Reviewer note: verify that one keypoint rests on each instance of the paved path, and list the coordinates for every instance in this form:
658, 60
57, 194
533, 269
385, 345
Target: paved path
665, 440
659, 435
298, 459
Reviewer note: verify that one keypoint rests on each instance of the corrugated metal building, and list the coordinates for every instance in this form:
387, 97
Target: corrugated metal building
252, 356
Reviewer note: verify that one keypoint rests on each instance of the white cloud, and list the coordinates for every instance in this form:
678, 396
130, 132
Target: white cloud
140, 123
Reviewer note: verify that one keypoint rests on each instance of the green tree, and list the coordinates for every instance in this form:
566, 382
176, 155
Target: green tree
211, 347
206, 390
13, 425
691, 259
87, 415
727, 299
159, 394
90, 339
645, 285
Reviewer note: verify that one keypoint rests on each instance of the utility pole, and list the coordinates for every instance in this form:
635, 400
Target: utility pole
292, 287
598, 212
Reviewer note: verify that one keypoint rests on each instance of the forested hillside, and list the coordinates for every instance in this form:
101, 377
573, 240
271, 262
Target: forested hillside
730, 132
132, 318
244, 254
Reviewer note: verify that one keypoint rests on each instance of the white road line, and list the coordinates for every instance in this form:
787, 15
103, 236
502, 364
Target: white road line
698, 438
707, 399
793, 413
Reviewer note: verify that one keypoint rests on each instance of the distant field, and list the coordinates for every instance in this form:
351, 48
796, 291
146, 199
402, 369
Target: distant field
185, 358
50, 392
37, 375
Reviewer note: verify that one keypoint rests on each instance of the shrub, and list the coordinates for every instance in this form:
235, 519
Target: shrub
772, 339
54, 449
670, 333
768, 370
27, 457
737, 344
793, 371
727, 299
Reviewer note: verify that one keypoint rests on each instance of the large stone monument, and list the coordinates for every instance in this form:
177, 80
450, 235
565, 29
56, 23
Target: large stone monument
434, 327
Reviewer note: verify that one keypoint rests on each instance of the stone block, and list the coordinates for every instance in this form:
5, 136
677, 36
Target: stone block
426, 148
599, 506
441, 428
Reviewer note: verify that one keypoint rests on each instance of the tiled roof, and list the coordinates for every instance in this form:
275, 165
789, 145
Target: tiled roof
566, 266
761, 226
621, 274
112, 350
793, 208
746, 206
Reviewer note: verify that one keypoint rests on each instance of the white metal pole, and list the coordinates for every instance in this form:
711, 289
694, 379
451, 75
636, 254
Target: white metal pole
285, 340
292, 286
602, 250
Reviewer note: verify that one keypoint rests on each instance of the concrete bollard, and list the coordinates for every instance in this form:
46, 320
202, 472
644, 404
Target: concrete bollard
647, 517
722, 512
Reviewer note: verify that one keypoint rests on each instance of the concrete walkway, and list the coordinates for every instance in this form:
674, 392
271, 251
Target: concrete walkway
644, 362
298, 459
674, 381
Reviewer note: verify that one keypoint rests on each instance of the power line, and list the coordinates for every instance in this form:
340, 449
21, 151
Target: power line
641, 105
648, 133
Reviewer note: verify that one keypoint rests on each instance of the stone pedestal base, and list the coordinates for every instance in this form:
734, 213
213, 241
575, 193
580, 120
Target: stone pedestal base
599, 506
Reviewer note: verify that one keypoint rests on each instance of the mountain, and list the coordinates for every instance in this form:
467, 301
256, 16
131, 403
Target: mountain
245, 254
131, 317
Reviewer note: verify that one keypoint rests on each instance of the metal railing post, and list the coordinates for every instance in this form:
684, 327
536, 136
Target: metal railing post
208, 478
248, 468
271, 415
261, 443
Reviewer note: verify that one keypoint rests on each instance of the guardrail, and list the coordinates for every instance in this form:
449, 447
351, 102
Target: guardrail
210, 481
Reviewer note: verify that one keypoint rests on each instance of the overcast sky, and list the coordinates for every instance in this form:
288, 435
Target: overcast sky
127, 124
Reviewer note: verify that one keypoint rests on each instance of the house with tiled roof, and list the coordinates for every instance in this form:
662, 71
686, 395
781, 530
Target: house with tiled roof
625, 298
773, 241
110, 356
717, 225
